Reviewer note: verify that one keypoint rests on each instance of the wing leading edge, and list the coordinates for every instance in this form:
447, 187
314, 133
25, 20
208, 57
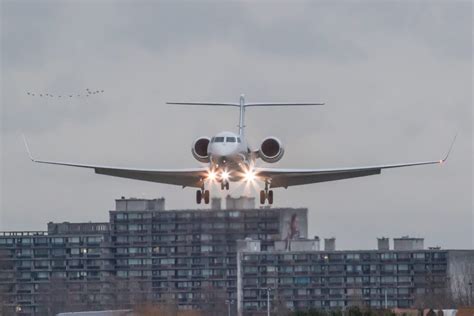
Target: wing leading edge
276, 177
182, 177
290, 177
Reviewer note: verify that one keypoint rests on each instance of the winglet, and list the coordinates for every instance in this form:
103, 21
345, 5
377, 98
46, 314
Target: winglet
28, 148
449, 151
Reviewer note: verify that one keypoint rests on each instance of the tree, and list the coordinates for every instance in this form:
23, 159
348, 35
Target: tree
462, 275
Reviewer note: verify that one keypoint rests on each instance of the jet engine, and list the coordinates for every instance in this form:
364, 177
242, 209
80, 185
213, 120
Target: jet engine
199, 149
271, 150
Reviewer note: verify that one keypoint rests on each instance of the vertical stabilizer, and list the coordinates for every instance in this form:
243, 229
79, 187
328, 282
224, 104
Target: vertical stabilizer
242, 115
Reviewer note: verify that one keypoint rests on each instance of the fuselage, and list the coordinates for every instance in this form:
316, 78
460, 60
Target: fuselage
229, 153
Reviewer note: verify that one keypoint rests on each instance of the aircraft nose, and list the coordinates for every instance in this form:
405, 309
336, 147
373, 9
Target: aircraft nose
224, 150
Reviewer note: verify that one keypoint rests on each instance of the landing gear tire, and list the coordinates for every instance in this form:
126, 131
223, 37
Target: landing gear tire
206, 196
225, 185
266, 194
262, 197
198, 196
270, 197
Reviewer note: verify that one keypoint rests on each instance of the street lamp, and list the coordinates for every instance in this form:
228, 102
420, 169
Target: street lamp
18, 309
268, 301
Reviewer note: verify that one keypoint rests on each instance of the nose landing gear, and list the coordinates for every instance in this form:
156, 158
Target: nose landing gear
225, 185
266, 195
200, 194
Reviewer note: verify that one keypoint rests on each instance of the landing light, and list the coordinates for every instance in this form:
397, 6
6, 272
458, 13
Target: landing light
211, 175
225, 175
249, 175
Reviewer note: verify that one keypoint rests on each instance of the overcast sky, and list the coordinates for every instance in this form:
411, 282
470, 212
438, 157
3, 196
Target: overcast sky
396, 78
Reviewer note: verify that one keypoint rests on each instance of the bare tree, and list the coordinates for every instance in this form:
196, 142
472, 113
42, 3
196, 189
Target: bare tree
437, 294
461, 283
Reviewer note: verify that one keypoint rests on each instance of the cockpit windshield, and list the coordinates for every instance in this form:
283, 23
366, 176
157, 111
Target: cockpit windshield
218, 139
230, 139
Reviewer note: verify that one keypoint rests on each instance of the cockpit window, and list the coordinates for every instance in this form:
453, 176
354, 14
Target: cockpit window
230, 140
218, 139
212, 139
238, 139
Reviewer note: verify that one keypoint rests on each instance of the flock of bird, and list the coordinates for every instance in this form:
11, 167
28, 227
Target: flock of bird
87, 93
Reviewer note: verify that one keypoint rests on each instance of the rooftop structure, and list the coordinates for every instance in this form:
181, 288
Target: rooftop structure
408, 243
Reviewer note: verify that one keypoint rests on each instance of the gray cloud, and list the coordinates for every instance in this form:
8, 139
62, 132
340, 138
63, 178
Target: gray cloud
396, 78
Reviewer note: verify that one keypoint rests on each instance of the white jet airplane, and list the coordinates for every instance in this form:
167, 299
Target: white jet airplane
230, 159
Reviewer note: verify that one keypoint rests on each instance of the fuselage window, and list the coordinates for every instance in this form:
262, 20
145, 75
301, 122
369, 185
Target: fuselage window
230, 140
219, 139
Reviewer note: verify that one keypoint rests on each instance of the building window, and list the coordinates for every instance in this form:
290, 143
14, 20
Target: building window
403, 268
57, 240
386, 256
302, 280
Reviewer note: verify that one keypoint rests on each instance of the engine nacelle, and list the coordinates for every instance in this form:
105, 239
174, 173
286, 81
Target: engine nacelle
199, 149
271, 150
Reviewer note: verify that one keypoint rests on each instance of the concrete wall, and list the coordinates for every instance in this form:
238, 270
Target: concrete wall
407, 243
247, 245
297, 245
383, 243
330, 244
240, 203
134, 204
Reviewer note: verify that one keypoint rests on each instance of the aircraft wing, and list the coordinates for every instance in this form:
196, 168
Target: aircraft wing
182, 177
290, 177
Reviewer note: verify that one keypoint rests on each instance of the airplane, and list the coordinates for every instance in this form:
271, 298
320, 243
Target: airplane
230, 159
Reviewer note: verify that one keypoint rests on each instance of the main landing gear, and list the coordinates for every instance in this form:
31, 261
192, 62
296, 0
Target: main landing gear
202, 194
266, 195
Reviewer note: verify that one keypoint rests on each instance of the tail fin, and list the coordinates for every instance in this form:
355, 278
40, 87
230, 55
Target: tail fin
242, 105
203, 103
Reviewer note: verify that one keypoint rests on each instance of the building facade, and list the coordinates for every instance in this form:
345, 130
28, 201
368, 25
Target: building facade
144, 253
383, 278
189, 256
44, 272
204, 259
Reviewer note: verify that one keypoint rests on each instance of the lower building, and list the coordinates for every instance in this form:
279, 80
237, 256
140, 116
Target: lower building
307, 278
46, 272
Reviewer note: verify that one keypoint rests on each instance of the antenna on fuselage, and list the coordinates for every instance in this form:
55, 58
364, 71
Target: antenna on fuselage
242, 105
